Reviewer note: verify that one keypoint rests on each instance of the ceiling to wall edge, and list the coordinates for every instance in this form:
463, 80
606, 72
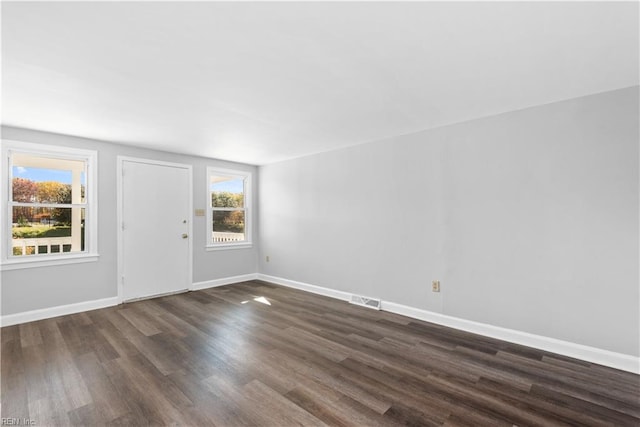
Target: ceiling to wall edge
313, 153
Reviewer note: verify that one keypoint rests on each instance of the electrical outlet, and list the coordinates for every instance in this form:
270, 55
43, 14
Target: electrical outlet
435, 286
267, 258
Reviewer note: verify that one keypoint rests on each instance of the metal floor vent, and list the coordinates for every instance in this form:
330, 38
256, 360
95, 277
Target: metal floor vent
366, 302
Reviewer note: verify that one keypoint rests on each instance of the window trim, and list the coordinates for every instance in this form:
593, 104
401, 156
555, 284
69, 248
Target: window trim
248, 210
7, 262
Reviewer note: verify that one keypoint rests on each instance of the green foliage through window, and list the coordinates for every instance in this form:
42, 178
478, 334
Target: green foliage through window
226, 199
27, 191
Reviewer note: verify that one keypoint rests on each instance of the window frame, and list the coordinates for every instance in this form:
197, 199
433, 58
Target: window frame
90, 253
248, 211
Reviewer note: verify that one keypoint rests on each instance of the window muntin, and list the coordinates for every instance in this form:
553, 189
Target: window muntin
49, 204
228, 208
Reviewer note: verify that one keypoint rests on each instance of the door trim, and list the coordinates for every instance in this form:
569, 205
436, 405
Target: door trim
120, 215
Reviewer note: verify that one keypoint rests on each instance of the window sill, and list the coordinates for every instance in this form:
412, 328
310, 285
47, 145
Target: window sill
48, 261
224, 247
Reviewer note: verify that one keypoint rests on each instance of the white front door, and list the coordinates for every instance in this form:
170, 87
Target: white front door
155, 228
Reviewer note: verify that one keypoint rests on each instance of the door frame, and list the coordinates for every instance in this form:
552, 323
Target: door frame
120, 215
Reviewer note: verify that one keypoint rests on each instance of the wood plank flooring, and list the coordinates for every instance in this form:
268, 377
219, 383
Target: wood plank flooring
221, 357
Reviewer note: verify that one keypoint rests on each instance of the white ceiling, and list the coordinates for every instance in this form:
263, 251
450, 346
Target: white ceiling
262, 82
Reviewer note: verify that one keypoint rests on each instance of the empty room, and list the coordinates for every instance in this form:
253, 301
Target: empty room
320, 213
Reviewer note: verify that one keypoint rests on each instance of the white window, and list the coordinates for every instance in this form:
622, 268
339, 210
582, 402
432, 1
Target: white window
50, 205
229, 209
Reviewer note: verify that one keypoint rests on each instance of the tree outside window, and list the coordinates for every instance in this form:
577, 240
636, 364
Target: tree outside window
229, 211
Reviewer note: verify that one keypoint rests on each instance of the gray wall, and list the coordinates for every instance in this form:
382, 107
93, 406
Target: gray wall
42, 287
529, 219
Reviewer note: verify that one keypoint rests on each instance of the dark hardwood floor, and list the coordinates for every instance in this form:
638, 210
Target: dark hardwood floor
220, 357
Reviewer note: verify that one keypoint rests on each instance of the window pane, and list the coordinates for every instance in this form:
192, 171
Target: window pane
47, 180
227, 192
228, 226
47, 230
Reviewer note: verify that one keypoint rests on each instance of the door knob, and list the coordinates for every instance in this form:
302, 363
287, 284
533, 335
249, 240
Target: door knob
185, 235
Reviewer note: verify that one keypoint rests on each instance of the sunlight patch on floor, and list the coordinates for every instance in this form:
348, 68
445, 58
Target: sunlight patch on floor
262, 300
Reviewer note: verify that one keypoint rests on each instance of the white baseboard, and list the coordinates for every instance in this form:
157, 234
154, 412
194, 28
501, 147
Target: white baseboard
612, 359
345, 296
61, 310
224, 281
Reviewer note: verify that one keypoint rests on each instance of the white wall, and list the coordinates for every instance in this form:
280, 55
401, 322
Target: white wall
529, 219
44, 287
